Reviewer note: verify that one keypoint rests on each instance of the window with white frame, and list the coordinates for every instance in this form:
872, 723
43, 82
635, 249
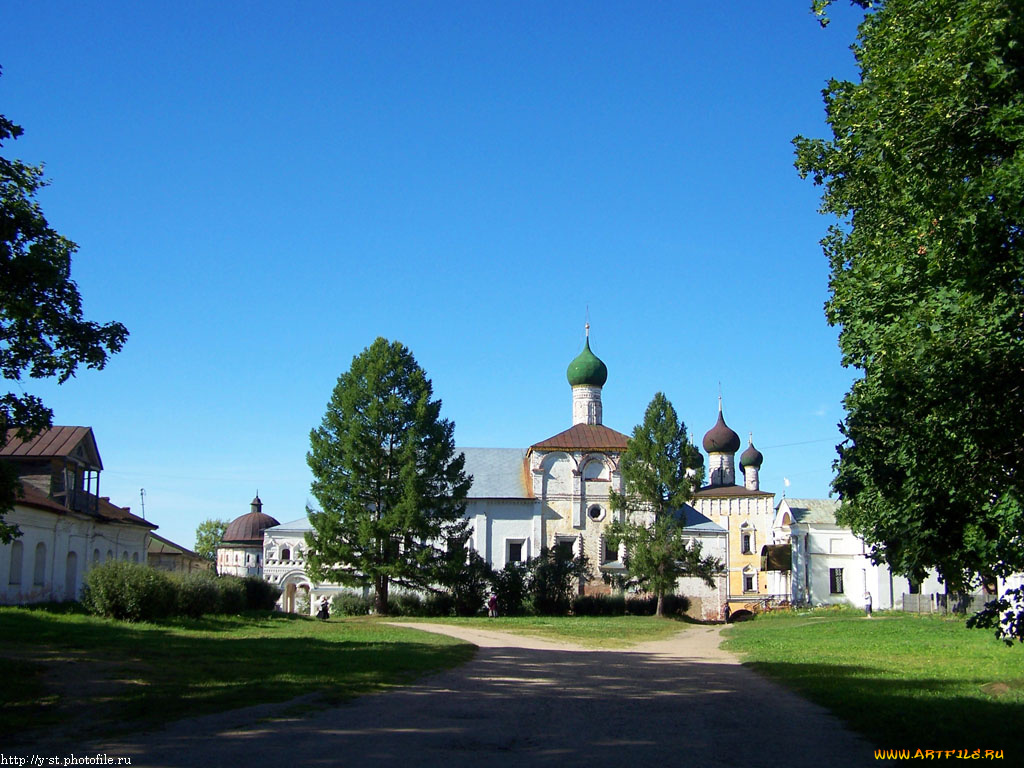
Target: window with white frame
835, 581
564, 547
747, 542
515, 549
749, 580
610, 550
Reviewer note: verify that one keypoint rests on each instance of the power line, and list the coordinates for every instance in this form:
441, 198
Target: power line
805, 442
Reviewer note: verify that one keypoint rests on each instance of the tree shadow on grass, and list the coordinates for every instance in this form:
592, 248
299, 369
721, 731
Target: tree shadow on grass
930, 713
110, 677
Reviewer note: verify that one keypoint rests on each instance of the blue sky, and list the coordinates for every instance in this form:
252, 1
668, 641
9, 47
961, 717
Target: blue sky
259, 190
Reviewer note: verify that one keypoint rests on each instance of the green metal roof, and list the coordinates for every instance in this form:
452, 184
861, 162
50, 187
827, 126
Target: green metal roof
815, 511
587, 369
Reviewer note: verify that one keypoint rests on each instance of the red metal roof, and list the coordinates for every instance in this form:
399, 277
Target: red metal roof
31, 496
248, 528
54, 442
586, 437
121, 514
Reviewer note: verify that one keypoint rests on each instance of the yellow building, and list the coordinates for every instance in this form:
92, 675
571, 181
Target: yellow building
744, 511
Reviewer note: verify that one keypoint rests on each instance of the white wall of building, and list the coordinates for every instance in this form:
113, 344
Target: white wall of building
57, 550
820, 551
497, 524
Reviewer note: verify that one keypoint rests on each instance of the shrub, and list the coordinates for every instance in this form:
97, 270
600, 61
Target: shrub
260, 595
599, 605
232, 595
511, 587
641, 605
405, 604
554, 575
128, 591
439, 604
675, 605
197, 594
350, 604
471, 586
646, 605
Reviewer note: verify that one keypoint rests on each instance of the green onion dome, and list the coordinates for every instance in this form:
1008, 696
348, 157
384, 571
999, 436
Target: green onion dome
587, 369
721, 439
751, 457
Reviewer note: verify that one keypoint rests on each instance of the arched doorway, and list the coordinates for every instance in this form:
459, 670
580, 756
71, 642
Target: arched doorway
289, 598
303, 603
296, 593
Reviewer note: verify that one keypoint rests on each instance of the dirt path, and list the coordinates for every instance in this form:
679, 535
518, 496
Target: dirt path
527, 701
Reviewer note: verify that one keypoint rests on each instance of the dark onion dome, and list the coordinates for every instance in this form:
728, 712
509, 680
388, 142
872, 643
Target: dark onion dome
721, 439
249, 528
587, 369
751, 457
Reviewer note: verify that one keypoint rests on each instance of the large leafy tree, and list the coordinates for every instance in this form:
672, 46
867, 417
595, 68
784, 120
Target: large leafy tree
924, 173
390, 487
661, 469
208, 536
42, 331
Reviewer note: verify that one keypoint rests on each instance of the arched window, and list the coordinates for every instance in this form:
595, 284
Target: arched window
95, 557
286, 554
747, 539
110, 554
124, 556
39, 577
135, 557
17, 554
71, 577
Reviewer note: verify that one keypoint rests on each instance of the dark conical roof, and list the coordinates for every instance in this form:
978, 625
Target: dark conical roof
249, 528
721, 439
751, 457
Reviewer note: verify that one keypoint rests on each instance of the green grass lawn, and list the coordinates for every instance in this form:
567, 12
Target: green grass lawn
902, 680
588, 631
67, 667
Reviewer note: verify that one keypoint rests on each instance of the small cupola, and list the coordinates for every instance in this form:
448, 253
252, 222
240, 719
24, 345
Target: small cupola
586, 375
248, 529
750, 465
721, 439
721, 443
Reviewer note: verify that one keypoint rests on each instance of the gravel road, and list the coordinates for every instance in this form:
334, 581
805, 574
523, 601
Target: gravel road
524, 701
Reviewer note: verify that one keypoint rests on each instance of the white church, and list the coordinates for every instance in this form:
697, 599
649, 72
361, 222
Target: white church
555, 493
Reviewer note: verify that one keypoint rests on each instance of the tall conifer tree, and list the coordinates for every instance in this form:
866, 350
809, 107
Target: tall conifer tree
661, 470
390, 488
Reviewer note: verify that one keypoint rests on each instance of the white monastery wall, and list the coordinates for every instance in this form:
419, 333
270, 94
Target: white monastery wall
50, 559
